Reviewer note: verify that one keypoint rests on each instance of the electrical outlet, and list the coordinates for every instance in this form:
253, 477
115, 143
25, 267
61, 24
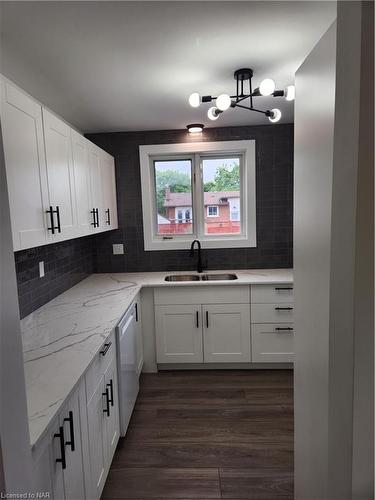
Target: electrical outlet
41, 269
118, 248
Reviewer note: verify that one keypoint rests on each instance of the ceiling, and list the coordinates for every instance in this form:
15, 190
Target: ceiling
111, 66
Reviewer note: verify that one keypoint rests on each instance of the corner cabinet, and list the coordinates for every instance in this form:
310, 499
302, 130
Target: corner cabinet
60, 185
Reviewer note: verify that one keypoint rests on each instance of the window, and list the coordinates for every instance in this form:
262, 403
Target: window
198, 190
212, 211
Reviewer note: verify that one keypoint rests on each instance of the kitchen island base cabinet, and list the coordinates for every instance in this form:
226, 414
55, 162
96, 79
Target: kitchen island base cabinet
179, 334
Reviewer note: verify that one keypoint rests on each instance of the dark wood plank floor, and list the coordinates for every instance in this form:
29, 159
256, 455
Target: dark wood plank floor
208, 435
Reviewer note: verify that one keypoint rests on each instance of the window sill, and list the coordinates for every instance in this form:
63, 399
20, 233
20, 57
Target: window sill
184, 243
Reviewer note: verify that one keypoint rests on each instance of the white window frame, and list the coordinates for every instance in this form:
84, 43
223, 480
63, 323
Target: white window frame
217, 211
149, 153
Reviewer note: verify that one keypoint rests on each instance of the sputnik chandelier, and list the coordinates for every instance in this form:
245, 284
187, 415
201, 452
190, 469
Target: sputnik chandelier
243, 76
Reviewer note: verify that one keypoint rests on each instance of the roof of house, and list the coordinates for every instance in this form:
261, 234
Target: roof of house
214, 198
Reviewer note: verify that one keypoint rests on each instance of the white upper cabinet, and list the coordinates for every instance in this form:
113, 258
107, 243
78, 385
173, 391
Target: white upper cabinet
60, 177
82, 182
22, 129
61, 186
108, 182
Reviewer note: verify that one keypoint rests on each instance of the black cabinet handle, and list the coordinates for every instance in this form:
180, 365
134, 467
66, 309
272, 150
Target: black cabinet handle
106, 394
60, 435
104, 351
136, 311
58, 219
50, 211
97, 217
283, 288
108, 221
207, 324
283, 308
197, 318
110, 385
287, 328
93, 216
71, 428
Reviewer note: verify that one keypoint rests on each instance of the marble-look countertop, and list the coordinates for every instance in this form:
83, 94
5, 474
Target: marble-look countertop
61, 338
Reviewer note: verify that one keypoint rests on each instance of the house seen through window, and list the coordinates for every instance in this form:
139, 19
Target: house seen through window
219, 196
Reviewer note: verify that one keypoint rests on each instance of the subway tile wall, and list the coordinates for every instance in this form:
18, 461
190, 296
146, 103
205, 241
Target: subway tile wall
65, 264
274, 189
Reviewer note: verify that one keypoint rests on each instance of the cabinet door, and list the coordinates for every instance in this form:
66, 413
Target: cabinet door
226, 333
108, 181
97, 442
112, 419
178, 334
22, 130
70, 420
81, 168
138, 319
96, 187
272, 343
60, 174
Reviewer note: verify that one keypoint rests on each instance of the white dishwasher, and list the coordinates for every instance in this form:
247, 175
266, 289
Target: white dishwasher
127, 366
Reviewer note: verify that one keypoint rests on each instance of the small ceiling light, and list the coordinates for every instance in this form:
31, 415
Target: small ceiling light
194, 100
195, 128
290, 93
275, 115
213, 113
267, 86
223, 102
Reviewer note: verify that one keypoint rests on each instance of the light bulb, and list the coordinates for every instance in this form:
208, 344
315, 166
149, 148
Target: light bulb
276, 115
194, 99
223, 102
290, 93
212, 113
267, 86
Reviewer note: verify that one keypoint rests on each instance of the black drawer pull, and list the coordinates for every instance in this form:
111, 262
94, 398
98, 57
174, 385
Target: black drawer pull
71, 428
136, 311
108, 221
97, 217
60, 435
58, 219
104, 351
110, 385
283, 308
106, 394
207, 323
197, 319
283, 288
93, 212
287, 328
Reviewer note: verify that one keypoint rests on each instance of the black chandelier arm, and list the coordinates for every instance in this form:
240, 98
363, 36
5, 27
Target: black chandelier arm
253, 109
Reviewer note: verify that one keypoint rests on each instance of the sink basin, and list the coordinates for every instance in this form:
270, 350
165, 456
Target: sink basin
219, 277
182, 277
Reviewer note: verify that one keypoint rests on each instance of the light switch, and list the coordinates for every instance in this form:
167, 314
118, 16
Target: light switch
118, 248
41, 269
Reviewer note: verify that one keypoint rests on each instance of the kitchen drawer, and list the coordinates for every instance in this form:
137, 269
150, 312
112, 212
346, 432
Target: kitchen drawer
281, 312
202, 294
100, 365
270, 294
272, 343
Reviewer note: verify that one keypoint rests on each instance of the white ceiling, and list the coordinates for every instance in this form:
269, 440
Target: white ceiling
110, 66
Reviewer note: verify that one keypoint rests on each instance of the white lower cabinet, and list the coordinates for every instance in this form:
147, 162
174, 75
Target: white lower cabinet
272, 343
179, 334
226, 333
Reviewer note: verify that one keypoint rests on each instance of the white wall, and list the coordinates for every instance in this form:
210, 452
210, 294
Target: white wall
326, 264
14, 430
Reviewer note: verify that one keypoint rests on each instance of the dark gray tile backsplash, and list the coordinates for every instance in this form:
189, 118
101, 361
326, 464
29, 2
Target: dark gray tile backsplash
65, 264
69, 262
274, 149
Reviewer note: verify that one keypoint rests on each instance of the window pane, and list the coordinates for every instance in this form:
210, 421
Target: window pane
222, 195
173, 197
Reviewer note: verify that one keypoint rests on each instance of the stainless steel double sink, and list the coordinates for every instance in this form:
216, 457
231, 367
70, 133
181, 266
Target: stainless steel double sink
201, 277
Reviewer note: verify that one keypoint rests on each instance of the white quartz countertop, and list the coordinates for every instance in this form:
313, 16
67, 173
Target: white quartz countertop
61, 338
